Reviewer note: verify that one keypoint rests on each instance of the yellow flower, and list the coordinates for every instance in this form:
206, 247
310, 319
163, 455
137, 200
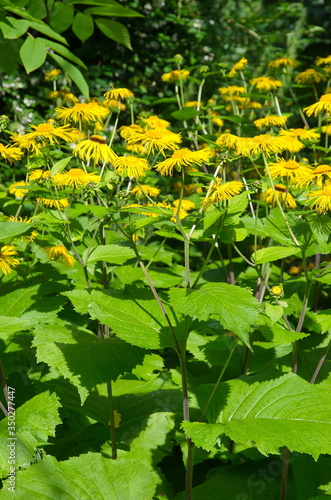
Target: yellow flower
303, 134
39, 175
143, 189
270, 121
326, 129
270, 196
95, 148
52, 75
6, 259
157, 140
132, 166
185, 206
309, 76
115, 104
85, 112
61, 254
276, 291
237, 67
132, 131
322, 201
283, 62
214, 115
154, 121
76, 177
288, 168
193, 104
175, 76
320, 61
43, 134
222, 192
324, 104
266, 83
265, 143
59, 204
231, 89
227, 140
319, 175
253, 104
135, 148
183, 158
16, 191
121, 93
10, 153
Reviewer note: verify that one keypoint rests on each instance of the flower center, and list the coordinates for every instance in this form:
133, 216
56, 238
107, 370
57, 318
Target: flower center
322, 169
326, 97
291, 165
44, 128
98, 139
280, 187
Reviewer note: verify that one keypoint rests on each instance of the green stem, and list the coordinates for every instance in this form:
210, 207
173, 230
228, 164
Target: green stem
112, 420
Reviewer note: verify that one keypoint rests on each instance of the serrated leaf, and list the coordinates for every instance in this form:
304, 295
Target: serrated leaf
84, 358
29, 431
11, 229
323, 318
114, 30
33, 53
114, 254
83, 26
13, 28
202, 434
236, 308
279, 335
286, 411
74, 74
85, 477
271, 254
10, 325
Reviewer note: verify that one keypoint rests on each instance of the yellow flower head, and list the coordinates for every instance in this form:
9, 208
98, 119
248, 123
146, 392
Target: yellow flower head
276, 291
229, 141
42, 134
321, 61
16, 191
323, 105
61, 254
303, 134
157, 139
95, 148
221, 192
319, 175
52, 75
6, 259
283, 62
309, 76
183, 158
175, 76
59, 204
154, 121
39, 175
184, 208
231, 90
266, 83
10, 153
270, 121
215, 118
321, 199
143, 190
290, 169
76, 178
136, 149
132, 131
193, 104
280, 192
237, 67
265, 143
115, 104
121, 93
82, 112
131, 166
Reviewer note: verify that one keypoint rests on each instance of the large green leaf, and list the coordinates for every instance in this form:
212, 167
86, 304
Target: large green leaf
271, 254
11, 229
33, 53
114, 254
63, 51
74, 74
10, 325
13, 28
236, 308
86, 477
35, 420
84, 358
114, 30
286, 411
112, 9
61, 16
83, 26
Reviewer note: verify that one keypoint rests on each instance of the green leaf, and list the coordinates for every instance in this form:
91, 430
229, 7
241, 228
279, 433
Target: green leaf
82, 357
84, 477
83, 26
113, 10
202, 434
11, 229
323, 318
37, 9
271, 254
185, 114
10, 325
30, 432
114, 254
286, 411
63, 51
14, 28
236, 308
33, 53
279, 335
60, 165
114, 30
74, 74
61, 16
